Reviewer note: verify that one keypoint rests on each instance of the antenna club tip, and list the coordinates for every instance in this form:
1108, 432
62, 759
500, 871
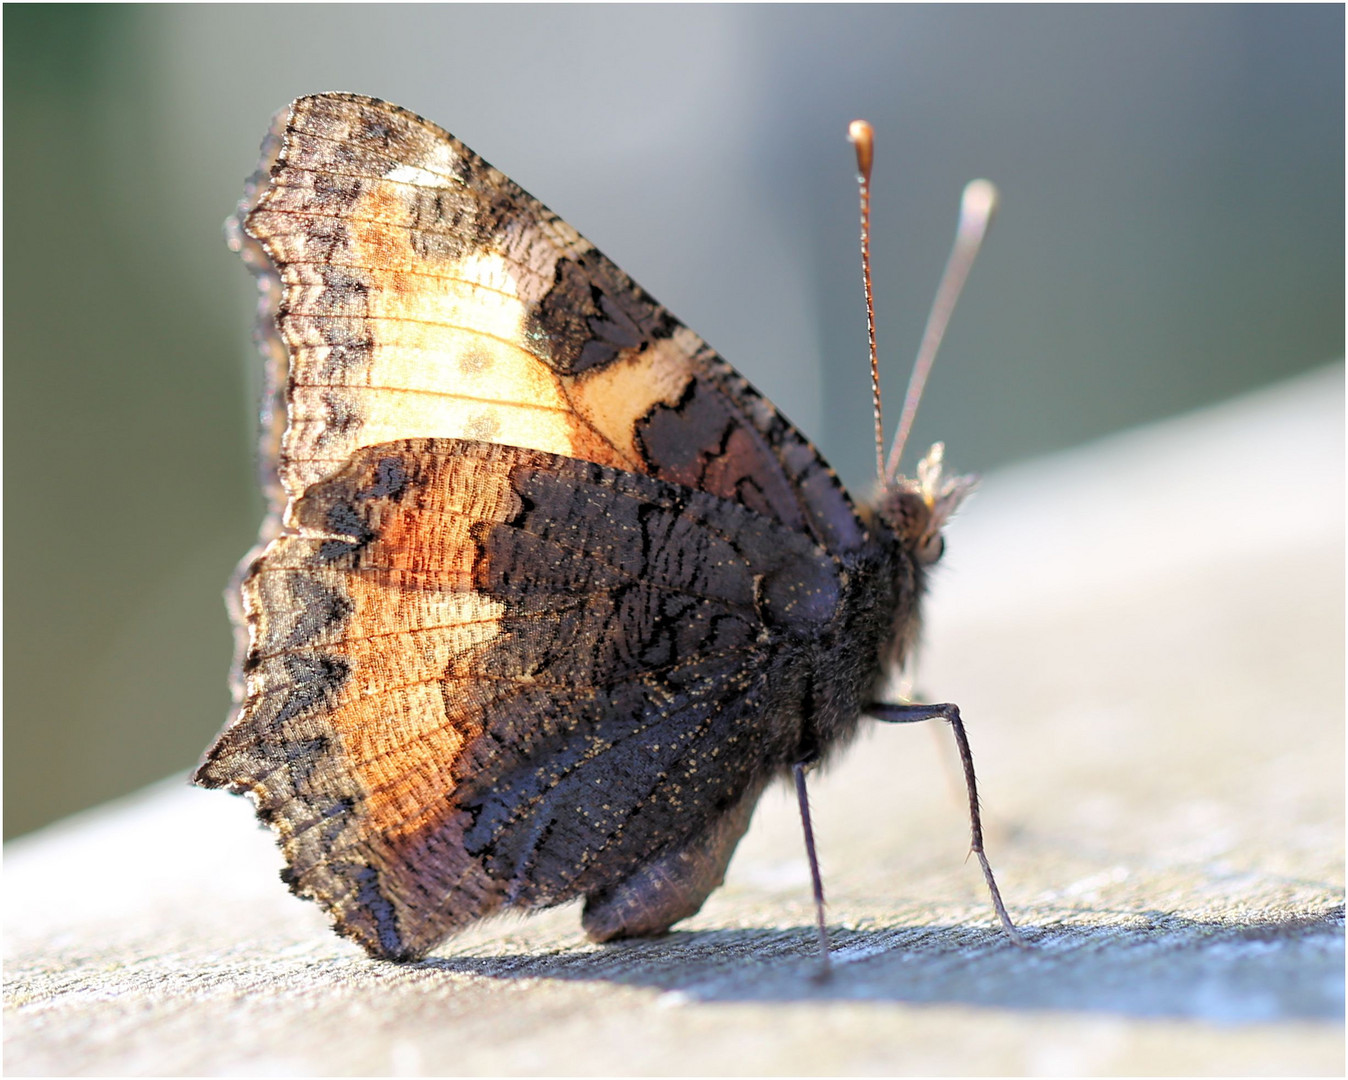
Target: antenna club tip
862, 136
980, 199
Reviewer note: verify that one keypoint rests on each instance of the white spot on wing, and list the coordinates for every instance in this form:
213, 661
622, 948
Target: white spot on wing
412, 174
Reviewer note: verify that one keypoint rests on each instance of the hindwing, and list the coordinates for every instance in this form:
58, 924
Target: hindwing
482, 676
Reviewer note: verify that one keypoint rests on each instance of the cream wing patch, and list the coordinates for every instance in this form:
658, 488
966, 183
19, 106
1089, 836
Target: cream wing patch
611, 397
445, 349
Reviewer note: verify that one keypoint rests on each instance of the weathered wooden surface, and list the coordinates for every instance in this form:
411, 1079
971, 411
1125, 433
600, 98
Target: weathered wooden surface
1146, 639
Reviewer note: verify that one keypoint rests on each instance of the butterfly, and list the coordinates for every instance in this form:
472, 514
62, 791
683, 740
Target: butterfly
547, 593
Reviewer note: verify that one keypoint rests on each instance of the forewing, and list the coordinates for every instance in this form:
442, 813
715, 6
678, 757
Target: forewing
419, 292
481, 676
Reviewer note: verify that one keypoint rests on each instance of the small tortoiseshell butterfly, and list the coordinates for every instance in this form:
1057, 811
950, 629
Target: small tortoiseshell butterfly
547, 593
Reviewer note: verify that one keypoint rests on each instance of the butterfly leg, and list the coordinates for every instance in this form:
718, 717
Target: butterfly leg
912, 714
798, 771
670, 887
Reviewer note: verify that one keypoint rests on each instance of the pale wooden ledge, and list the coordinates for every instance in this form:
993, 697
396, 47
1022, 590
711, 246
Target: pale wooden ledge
1146, 639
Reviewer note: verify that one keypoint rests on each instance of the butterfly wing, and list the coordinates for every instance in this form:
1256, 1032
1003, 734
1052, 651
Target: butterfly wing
418, 291
483, 676
534, 613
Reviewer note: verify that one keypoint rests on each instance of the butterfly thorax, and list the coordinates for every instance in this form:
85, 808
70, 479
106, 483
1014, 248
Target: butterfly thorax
913, 512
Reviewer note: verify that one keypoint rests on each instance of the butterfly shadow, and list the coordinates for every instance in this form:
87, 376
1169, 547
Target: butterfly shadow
1159, 965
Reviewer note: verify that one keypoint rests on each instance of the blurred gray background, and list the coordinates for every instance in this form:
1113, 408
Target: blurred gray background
1171, 234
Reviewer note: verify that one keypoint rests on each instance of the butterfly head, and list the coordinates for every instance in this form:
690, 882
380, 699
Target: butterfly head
917, 509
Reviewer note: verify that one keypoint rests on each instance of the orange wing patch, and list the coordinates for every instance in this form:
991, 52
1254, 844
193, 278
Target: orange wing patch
358, 703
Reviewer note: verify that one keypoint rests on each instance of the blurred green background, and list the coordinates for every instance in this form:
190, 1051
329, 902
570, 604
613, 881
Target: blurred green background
1171, 234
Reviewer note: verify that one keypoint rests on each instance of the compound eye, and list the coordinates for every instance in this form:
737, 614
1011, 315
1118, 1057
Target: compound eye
931, 549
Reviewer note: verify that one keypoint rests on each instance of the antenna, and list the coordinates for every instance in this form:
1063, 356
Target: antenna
862, 136
976, 210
